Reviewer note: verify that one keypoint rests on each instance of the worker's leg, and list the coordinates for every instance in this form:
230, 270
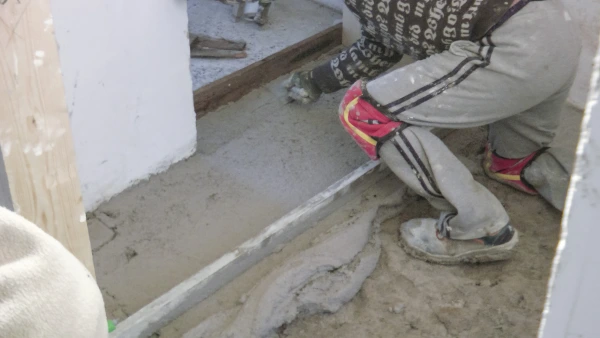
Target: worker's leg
516, 79
426, 165
473, 225
550, 175
548, 172
468, 210
523, 63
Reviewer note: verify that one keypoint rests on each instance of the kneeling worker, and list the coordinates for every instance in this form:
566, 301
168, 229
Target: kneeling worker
506, 64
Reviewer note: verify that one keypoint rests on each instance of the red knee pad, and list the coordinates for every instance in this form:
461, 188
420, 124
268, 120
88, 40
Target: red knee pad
367, 125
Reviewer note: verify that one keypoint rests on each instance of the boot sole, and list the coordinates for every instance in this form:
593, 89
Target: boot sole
485, 255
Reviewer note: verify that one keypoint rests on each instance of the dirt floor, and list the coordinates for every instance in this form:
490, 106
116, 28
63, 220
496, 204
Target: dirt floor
410, 298
265, 161
153, 236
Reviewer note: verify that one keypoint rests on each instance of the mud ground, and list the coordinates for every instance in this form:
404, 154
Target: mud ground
410, 298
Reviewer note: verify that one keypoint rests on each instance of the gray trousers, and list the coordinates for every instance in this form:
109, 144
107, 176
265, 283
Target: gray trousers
515, 80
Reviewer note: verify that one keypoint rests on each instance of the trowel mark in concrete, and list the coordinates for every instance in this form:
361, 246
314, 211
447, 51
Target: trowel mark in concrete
320, 279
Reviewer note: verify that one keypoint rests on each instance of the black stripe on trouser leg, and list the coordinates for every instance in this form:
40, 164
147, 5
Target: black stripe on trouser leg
455, 71
443, 225
420, 163
382, 140
489, 41
414, 169
433, 84
492, 46
484, 63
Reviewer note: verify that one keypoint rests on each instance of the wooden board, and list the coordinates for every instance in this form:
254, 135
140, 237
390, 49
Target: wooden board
240, 83
207, 281
205, 41
35, 134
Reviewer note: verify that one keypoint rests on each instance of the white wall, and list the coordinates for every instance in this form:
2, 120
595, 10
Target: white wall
126, 72
572, 308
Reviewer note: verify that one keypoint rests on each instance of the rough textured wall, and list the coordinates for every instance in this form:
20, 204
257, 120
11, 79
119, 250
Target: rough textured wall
573, 297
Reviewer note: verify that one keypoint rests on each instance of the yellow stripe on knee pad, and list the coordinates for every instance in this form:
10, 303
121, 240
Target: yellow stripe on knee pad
357, 131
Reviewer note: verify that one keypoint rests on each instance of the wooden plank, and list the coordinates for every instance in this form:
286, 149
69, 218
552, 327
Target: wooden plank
205, 41
240, 83
207, 281
34, 127
211, 278
5, 199
217, 53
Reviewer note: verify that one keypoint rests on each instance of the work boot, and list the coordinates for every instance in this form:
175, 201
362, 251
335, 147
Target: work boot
510, 171
262, 16
423, 239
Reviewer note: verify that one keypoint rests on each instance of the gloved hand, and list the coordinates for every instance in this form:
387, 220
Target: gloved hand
301, 89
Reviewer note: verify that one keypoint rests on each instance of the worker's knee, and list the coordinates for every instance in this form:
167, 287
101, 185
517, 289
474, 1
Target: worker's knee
367, 125
350, 98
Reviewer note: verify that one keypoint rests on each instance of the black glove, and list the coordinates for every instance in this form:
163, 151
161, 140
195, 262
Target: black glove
300, 88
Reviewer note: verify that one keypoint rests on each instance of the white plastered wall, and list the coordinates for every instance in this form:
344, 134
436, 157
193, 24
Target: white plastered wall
125, 67
572, 306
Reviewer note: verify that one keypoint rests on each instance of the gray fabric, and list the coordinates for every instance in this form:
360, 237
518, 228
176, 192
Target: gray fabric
526, 61
364, 59
550, 175
524, 133
418, 28
515, 80
478, 211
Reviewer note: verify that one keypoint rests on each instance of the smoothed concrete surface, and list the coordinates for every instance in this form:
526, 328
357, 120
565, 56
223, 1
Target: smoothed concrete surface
290, 21
267, 159
257, 159
318, 280
412, 298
